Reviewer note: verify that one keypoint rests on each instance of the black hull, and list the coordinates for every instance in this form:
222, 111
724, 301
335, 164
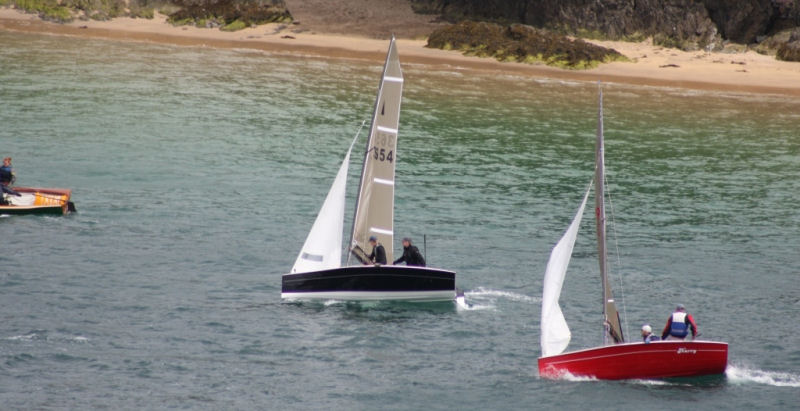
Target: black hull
369, 282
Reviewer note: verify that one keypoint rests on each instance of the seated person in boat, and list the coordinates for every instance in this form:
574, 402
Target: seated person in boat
411, 255
7, 177
679, 324
378, 254
647, 334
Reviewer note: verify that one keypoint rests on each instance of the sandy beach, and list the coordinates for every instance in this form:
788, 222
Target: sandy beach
317, 35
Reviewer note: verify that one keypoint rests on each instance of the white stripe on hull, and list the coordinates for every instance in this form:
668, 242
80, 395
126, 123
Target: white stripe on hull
416, 296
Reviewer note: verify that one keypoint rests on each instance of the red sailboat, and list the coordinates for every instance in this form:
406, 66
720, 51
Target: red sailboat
616, 359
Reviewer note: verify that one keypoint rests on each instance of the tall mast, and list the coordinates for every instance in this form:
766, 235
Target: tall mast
611, 322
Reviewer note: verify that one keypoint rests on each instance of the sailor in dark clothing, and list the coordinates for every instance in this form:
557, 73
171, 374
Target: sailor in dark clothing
6, 172
7, 178
411, 255
378, 254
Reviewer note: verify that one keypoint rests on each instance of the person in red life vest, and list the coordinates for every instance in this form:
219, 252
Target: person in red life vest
679, 324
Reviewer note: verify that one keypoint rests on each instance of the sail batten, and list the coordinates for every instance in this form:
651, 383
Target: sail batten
382, 181
387, 130
375, 203
393, 79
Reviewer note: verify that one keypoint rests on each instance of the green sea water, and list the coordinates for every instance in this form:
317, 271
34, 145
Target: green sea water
197, 173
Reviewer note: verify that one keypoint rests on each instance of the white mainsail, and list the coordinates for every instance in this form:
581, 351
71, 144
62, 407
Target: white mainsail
323, 247
555, 334
374, 211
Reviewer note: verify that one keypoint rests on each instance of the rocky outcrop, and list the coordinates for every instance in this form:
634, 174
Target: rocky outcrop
747, 21
790, 51
229, 14
521, 43
687, 24
676, 23
64, 11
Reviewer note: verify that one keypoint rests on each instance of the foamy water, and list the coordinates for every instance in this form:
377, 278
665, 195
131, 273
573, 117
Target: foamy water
743, 375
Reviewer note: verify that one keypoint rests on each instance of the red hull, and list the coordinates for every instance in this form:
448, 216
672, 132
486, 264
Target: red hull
658, 359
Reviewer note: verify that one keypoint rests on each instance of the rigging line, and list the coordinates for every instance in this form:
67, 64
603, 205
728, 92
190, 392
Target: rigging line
619, 261
347, 247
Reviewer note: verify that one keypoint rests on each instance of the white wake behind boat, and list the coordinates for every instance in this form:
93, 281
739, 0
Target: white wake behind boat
318, 272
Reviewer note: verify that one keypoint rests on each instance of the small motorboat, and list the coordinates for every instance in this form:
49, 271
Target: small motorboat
33, 200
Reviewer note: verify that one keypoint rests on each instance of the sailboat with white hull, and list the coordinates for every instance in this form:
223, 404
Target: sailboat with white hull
615, 359
318, 272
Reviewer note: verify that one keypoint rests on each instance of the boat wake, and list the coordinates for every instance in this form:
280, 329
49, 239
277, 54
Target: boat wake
566, 376
489, 294
742, 375
486, 299
43, 335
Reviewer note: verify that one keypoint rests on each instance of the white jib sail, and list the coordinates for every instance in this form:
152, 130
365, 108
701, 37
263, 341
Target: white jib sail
555, 334
323, 247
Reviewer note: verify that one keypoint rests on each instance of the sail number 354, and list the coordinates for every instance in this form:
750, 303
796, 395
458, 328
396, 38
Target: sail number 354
383, 150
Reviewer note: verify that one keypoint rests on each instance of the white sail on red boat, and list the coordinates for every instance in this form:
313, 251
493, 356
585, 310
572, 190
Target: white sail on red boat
615, 359
318, 272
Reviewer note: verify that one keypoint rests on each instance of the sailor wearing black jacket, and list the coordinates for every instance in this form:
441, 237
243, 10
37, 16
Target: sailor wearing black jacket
378, 254
411, 254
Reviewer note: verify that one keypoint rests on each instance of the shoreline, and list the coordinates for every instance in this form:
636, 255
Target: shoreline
746, 72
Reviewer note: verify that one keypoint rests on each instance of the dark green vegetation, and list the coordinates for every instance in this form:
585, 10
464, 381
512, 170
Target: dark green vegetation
226, 14
521, 43
68, 10
229, 15
685, 24
46, 9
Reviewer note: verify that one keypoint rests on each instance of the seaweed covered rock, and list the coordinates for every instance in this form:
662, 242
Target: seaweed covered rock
64, 11
97, 9
49, 10
745, 21
229, 15
790, 51
769, 45
677, 23
521, 43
